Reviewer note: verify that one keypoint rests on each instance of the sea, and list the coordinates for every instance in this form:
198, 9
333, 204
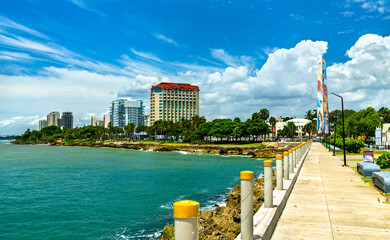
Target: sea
60, 192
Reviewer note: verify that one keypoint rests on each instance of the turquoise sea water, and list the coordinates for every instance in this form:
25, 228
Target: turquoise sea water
57, 192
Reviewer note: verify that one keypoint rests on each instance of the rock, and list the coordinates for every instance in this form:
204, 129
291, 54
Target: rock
168, 233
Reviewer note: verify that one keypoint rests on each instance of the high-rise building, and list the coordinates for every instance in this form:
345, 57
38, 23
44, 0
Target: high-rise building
67, 120
173, 101
146, 120
125, 111
94, 121
106, 120
52, 118
42, 124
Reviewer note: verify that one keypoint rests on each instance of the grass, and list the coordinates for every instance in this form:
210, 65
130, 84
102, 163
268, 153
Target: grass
376, 152
369, 181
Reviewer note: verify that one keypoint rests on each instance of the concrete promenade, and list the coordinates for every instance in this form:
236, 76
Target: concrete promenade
332, 202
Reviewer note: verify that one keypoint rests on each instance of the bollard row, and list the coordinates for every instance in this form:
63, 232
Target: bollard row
186, 212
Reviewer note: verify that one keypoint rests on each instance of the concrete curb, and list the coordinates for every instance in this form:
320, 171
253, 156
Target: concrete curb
265, 219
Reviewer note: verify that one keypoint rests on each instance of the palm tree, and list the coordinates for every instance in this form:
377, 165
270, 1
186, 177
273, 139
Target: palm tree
129, 128
264, 114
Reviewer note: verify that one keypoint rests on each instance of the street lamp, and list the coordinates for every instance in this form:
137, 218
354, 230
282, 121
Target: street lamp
334, 137
342, 114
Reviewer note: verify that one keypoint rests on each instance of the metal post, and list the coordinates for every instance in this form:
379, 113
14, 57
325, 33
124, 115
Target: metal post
268, 189
246, 205
279, 172
286, 167
186, 214
342, 113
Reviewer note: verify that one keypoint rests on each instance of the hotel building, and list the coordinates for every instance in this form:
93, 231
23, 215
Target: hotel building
52, 119
125, 111
173, 101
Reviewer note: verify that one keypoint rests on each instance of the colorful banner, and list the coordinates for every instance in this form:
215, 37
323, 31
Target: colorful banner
320, 98
326, 110
368, 156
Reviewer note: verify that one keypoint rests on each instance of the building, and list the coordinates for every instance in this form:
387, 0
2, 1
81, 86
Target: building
67, 120
125, 111
52, 118
146, 120
42, 124
173, 101
96, 122
299, 122
106, 120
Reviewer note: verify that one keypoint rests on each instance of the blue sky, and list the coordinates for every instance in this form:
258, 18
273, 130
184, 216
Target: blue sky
78, 55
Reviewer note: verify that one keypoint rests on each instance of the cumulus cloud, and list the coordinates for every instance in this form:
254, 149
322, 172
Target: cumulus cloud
367, 74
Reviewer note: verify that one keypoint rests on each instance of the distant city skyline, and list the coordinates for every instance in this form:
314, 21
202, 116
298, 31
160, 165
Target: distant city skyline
260, 54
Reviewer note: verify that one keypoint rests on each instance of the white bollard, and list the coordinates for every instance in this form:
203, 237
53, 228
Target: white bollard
268, 188
294, 157
246, 205
290, 161
186, 214
279, 172
286, 167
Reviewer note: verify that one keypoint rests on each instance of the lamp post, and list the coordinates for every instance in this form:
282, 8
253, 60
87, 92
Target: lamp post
342, 114
334, 137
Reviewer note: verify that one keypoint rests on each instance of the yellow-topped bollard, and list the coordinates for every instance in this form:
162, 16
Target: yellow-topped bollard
279, 172
286, 167
247, 175
246, 205
268, 189
290, 162
186, 214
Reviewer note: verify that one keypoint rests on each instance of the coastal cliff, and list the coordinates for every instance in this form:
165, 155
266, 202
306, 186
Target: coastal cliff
223, 222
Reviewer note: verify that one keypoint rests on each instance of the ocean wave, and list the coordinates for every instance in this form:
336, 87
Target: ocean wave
260, 176
247, 156
167, 206
139, 235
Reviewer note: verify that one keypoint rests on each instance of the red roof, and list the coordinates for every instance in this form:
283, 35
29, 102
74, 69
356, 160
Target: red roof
183, 86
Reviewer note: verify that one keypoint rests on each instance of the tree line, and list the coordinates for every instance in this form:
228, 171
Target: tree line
196, 129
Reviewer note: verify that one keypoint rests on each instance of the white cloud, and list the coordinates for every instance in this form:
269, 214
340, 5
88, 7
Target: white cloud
7, 23
146, 55
347, 13
230, 60
285, 84
83, 5
165, 39
367, 73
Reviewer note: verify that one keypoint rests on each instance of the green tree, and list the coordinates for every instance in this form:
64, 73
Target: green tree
264, 114
129, 129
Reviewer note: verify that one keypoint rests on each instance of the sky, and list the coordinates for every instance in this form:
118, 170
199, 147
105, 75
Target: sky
79, 55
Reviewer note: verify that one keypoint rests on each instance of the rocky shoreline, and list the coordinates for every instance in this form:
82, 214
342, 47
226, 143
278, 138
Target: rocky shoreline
264, 152
224, 222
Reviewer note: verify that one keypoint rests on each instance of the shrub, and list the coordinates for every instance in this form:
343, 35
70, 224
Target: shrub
351, 145
384, 160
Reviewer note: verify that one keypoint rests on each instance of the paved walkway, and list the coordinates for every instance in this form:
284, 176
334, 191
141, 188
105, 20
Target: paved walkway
332, 202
